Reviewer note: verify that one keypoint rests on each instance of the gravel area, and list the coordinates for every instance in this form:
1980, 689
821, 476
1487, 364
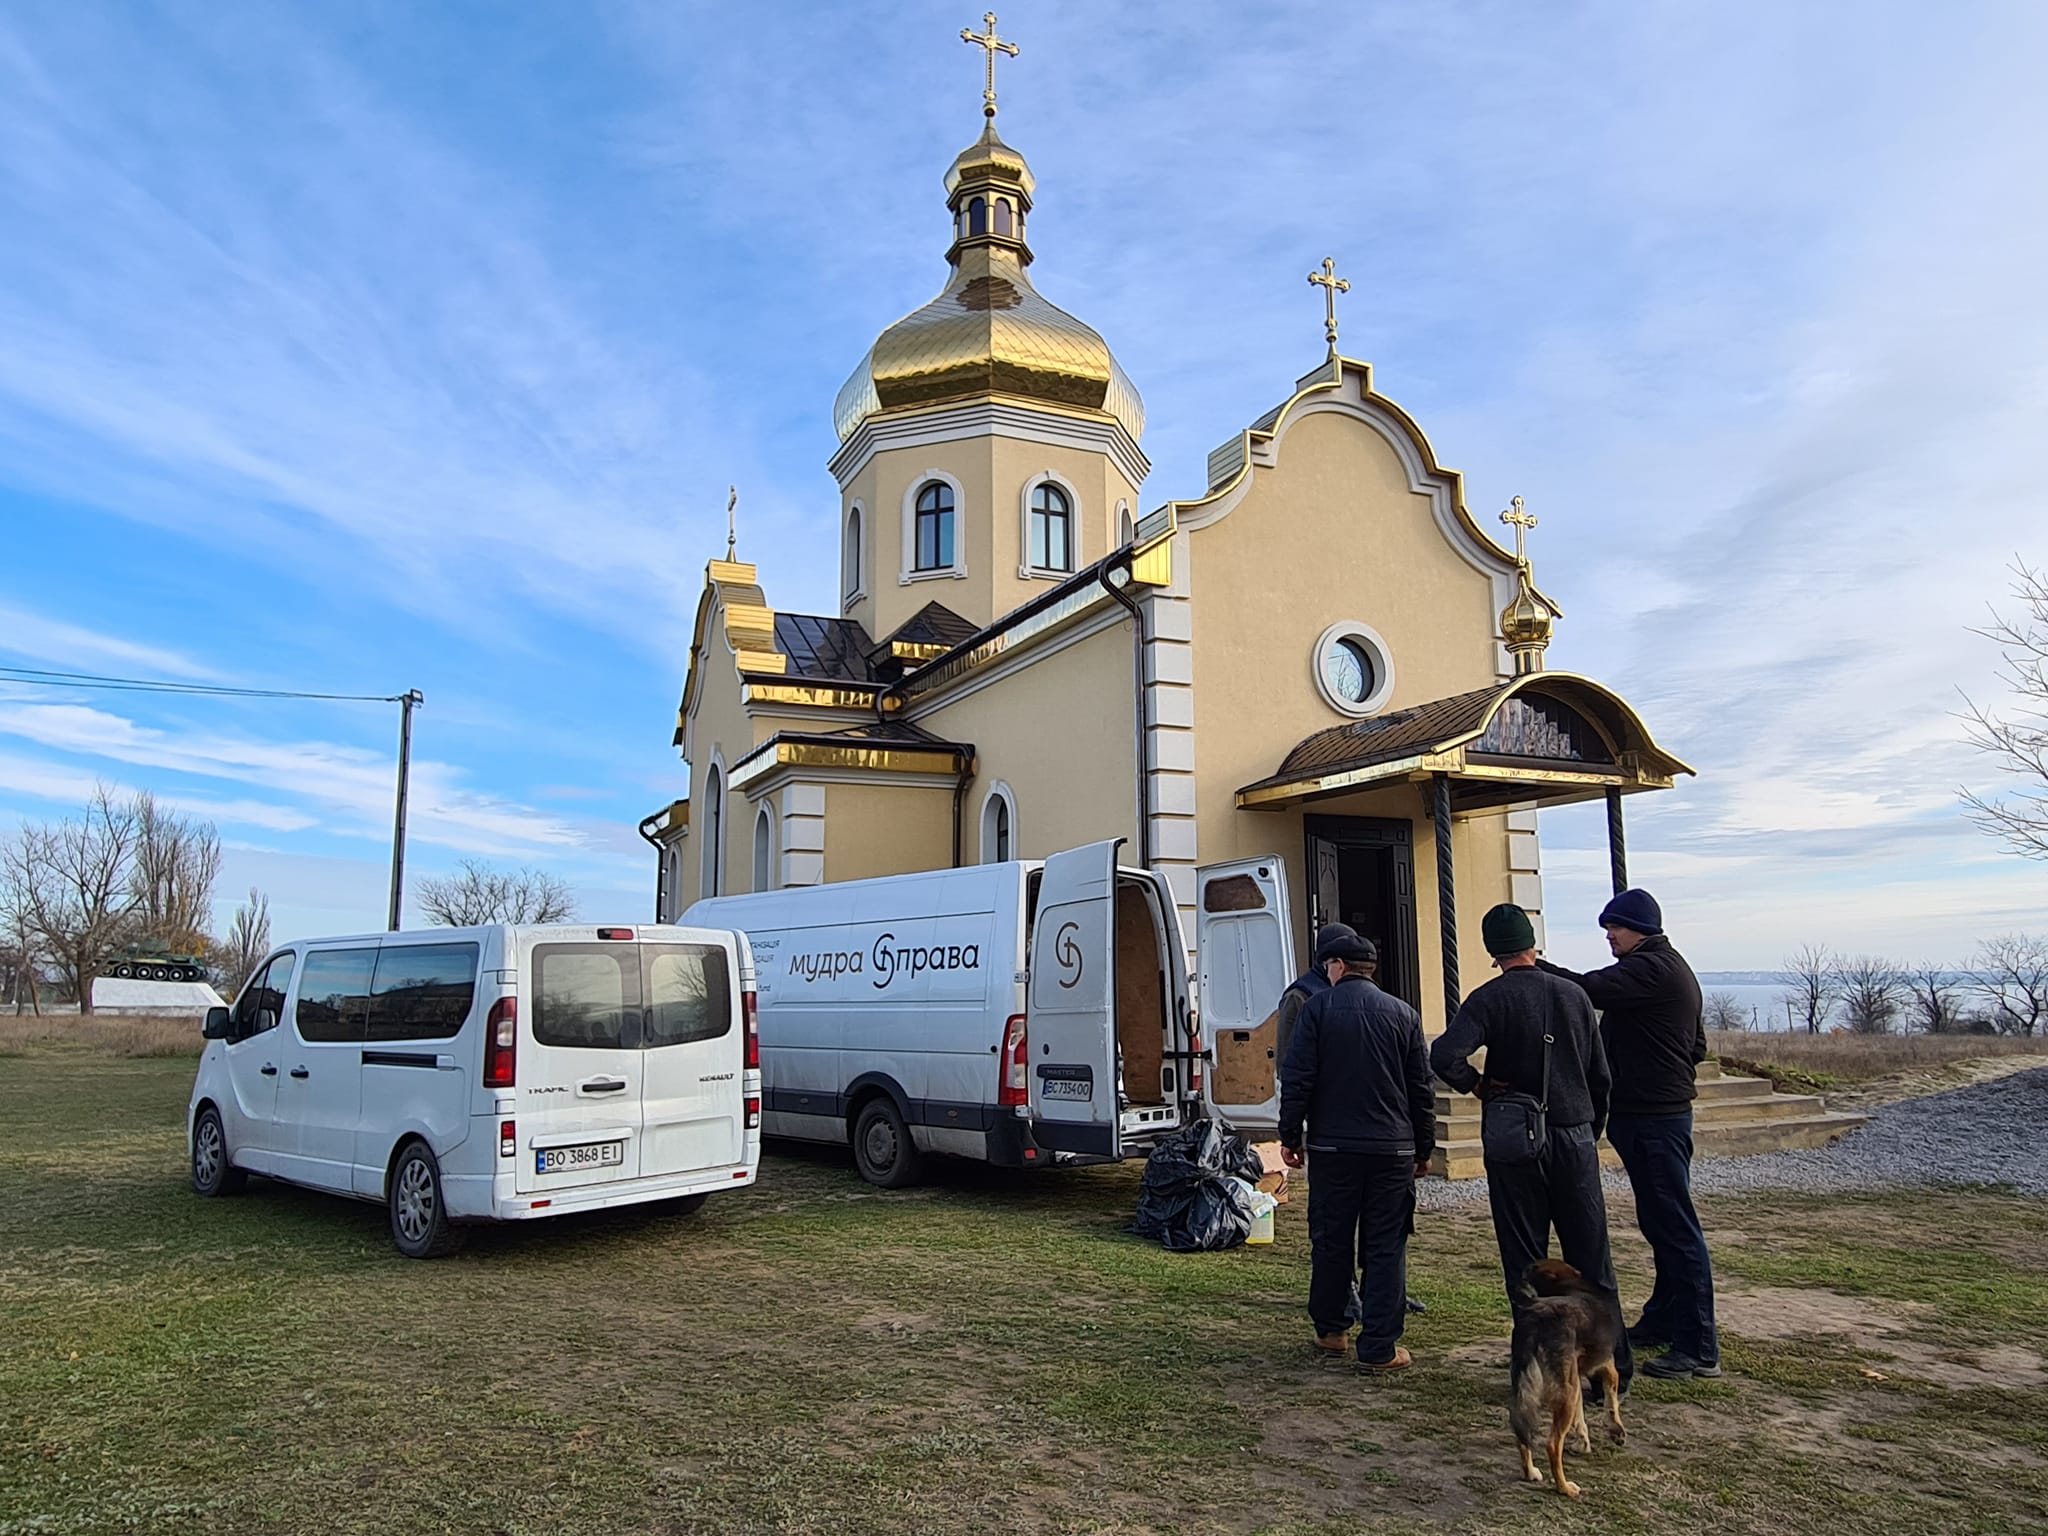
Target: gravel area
1988, 1133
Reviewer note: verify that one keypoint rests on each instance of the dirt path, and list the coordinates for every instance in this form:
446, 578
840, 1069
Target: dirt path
1935, 1079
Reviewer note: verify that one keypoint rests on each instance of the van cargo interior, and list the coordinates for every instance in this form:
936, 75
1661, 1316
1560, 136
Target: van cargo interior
1247, 1060
1142, 1023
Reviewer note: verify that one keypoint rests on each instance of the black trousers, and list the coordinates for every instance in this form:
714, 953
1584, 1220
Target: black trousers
1657, 1152
1561, 1189
1359, 1208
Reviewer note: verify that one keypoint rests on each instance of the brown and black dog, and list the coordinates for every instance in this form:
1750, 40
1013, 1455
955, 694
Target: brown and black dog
1565, 1335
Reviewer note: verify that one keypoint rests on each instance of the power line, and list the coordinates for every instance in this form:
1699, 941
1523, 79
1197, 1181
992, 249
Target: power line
37, 676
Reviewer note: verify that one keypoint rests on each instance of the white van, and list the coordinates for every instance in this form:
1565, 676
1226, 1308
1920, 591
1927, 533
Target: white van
487, 1074
1020, 1013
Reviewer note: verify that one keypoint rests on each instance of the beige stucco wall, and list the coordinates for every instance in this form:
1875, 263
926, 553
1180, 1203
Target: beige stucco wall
886, 829
1333, 532
1062, 734
988, 523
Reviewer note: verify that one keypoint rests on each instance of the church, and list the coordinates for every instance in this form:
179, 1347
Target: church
1321, 658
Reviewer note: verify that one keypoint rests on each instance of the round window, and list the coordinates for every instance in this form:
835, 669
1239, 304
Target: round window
1352, 671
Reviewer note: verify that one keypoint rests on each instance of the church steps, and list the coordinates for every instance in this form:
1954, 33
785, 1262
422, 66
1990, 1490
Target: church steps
1733, 1117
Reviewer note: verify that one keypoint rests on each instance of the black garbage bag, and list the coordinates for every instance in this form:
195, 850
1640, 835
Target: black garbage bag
1191, 1199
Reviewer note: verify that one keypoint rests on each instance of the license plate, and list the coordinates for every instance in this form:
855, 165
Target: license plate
1067, 1088
597, 1154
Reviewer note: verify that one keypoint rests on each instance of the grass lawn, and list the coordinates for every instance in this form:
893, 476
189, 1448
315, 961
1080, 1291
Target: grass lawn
985, 1353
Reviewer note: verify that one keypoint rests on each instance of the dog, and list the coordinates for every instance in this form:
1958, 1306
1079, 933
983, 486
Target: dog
1565, 1335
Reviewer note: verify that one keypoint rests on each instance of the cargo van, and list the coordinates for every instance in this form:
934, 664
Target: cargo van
499, 1073
1023, 1013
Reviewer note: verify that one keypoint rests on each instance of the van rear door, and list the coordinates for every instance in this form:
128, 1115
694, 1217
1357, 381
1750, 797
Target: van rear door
1244, 958
579, 1063
693, 1101
1071, 1001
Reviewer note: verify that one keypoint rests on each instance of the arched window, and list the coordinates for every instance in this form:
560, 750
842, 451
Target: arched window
934, 527
998, 826
764, 851
850, 580
714, 833
1126, 525
1052, 529
977, 217
1003, 216
672, 886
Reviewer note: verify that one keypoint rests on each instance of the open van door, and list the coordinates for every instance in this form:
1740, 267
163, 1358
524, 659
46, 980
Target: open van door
1244, 959
1070, 1020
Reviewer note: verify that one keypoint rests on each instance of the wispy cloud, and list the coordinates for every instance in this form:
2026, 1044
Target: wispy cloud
37, 636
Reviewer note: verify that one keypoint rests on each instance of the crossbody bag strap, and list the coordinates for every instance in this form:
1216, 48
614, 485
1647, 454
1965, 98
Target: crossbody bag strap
1544, 1102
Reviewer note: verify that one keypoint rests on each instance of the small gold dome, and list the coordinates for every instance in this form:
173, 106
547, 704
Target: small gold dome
1526, 622
989, 331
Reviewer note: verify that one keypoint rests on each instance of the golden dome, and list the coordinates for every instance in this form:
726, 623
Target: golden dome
1526, 622
989, 331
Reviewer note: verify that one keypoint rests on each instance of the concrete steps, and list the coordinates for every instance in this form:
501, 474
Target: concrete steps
1732, 1117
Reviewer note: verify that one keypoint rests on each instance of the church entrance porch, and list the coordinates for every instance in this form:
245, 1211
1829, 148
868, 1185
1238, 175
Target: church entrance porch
1362, 872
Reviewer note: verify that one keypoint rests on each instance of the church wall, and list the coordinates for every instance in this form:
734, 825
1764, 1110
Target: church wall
1060, 733
886, 829
991, 474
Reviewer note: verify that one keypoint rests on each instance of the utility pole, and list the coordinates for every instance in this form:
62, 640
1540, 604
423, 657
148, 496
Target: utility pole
407, 703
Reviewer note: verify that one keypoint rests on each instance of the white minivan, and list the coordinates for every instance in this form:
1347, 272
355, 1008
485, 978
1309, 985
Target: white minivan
1023, 1013
487, 1074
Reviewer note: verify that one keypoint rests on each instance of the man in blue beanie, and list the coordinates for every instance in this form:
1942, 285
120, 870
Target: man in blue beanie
1649, 1002
1527, 1021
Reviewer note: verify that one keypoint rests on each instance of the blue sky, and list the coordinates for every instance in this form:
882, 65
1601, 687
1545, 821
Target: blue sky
375, 345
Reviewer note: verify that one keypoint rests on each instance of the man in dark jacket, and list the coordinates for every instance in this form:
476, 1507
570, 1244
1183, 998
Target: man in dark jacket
1305, 986
1355, 1091
1649, 1002
1510, 1016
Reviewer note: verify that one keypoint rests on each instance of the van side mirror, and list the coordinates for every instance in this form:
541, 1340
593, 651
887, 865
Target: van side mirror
217, 1026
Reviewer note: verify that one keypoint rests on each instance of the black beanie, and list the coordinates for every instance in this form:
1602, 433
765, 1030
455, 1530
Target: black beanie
1329, 935
1352, 949
1507, 930
1636, 909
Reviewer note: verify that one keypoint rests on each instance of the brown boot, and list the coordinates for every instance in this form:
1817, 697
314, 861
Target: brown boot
1332, 1347
1400, 1360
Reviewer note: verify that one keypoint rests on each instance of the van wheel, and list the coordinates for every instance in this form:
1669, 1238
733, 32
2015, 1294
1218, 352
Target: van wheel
690, 1205
882, 1148
420, 1228
212, 1173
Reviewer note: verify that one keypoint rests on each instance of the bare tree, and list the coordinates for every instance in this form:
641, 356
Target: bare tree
19, 956
1873, 993
2018, 742
1811, 986
177, 860
2013, 979
1723, 1012
74, 880
477, 893
1934, 998
247, 941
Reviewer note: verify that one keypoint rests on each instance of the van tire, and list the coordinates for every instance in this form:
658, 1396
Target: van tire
420, 1228
212, 1171
882, 1148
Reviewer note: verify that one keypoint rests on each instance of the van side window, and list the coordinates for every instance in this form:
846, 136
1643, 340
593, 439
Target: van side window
422, 991
689, 994
588, 996
261, 1004
334, 994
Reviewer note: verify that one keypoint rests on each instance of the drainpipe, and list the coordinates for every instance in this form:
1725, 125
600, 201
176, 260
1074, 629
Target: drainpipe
959, 798
1121, 561
660, 860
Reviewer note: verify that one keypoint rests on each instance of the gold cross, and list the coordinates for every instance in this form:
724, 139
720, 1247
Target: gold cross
1521, 521
1332, 285
994, 45
732, 527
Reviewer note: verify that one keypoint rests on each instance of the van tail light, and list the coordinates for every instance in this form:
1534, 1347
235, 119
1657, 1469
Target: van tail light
508, 1138
501, 1043
615, 933
750, 1013
1013, 1088
753, 1114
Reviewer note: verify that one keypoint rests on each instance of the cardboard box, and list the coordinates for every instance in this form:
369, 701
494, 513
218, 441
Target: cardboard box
1274, 1181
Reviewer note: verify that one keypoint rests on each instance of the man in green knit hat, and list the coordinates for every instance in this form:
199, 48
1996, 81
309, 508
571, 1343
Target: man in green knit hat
1516, 1016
